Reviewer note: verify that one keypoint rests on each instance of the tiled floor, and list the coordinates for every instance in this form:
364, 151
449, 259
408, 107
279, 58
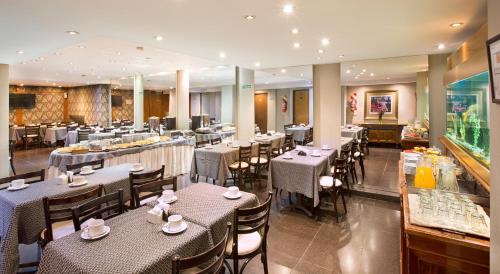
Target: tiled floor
365, 241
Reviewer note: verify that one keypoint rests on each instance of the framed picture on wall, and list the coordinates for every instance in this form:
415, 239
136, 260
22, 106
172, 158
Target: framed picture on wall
493, 46
381, 105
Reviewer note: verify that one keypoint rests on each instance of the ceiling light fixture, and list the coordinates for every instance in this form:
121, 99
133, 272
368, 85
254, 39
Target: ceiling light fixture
288, 9
220, 67
325, 41
320, 51
257, 64
20, 51
283, 70
222, 55
81, 46
372, 74
72, 32
441, 46
348, 71
388, 78
356, 77
456, 24
249, 17
295, 31
158, 38
296, 45
363, 70
341, 56
302, 75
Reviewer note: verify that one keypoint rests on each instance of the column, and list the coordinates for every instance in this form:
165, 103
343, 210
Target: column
422, 99
327, 105
182, 99
139, 102
245, 115
437, 98
228, 104
4, 121
172, 103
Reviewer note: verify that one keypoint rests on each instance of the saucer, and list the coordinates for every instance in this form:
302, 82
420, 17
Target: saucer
208, 147
315, 155
325, 148
87, 173
231, 197
136, 170
167, 230
287, 157
78, 184
10, 188
168, 201
86, 236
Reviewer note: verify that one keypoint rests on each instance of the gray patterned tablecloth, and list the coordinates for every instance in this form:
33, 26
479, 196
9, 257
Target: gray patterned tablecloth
17, 133
54, 134
299, 133
132, 246
353, 132
22, 216
276, 140
209, 136
300, 174
204, 204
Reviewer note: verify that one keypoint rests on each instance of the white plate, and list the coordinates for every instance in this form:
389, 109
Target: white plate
208, 147
231, 197
78, 184
85, 235
10, 188
166, 229
137, 170
87, 173
325, 148
168, 201
315, 155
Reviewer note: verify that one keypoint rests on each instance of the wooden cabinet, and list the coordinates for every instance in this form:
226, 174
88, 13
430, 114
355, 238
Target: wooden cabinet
384, 133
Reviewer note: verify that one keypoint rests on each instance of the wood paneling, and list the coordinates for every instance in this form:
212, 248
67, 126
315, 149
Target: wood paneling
155, 104
261, 111
301, 106
384, 133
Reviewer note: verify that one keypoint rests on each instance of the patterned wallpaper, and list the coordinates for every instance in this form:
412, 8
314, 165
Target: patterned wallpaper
92, 102
126, 111
48, 107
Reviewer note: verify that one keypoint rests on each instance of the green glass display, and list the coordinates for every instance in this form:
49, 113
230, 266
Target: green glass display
467, 121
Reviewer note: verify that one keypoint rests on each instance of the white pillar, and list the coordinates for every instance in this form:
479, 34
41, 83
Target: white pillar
228, 104
139, 102
182, 99
172, 103
4, 120
437, 98
327, 105
422, 99
245, 116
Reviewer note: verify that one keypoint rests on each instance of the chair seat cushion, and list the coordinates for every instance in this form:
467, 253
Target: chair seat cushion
236, 165
357, 154
327, 182
32, 135
255, 160
247, 243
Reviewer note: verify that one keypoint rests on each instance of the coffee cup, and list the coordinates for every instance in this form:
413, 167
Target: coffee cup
64, 178
325, 147
168, 194
70, 176
136, 166
78, 179
175, 222
233, 190
95, 227
86, 169
17, 183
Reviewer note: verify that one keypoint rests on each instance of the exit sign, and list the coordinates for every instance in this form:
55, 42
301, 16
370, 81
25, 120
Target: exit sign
246, 86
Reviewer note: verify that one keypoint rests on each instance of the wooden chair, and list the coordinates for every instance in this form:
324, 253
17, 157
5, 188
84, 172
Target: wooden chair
30, 178
344, 168
97, 164
82, 135
358, 156
251, 226
12, 147
208, 262
153, 189
32, 135
289, 143
276, 151
364, 141
104, 207
216, 141
127, 123
201, 144
136, 179
262, 160
332, 185
116, 124
58, 210
108, 129
241, 167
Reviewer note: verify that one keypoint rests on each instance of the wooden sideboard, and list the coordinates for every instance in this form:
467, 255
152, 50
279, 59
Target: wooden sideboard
384, 133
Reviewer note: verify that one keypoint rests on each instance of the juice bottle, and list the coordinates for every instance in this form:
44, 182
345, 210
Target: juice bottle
424, 176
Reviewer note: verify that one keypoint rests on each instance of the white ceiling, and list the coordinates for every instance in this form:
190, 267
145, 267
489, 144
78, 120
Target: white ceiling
195, 32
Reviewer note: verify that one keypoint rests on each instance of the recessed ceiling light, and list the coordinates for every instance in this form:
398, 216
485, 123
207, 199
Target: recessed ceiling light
70, 63
158, 38
388, 78
250, 17
20, 51
325, 41
118, 53
320, 51
441, 46
302, 75
456, 24
341, 56
283, 70
124, 69
356, 77
363, 70
348, 71
72, 32
81, 46
257, 64
296, 45
220, 67
372, 74
222, 54
288, 8
295, 31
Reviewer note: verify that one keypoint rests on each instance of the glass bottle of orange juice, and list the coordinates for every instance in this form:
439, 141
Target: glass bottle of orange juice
424, 176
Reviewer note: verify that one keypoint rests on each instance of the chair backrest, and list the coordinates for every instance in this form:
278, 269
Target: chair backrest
201, 143
116, 124
83, 135
103, 207
108, 129
264, 151
97, 164
339, 168
289, 143
50, 125
32, 130
144, 178
216, 141
147, 190
12, 147
127, 123
245, 154
59, 209
209, 262
249, 220
30, 178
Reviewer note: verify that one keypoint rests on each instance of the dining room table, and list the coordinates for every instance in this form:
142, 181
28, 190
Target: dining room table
299, 132
54, 134
16, 133
22, 215
352, 131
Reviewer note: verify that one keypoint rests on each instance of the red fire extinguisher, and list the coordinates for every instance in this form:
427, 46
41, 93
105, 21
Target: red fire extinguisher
284, 104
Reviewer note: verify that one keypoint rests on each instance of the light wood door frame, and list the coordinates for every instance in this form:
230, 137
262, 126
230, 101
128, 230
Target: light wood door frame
295, 108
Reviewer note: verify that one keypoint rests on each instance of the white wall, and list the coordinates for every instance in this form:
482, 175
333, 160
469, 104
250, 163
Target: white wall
228, 104
406, 101
437, 98
283, 118
211, 104
4, 120
195, 103
245, 118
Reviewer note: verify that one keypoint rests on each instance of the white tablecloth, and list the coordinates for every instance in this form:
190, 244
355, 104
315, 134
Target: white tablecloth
54, 134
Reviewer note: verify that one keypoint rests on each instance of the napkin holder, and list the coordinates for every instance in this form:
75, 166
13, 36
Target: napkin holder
155, 215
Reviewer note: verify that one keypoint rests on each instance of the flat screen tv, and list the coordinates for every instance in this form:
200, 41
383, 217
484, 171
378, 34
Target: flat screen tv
116, 101
22, 100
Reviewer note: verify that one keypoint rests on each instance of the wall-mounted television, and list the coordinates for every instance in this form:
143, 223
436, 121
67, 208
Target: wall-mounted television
116, 101
22, 100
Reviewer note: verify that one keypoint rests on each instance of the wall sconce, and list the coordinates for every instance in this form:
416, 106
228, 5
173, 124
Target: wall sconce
65, 95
